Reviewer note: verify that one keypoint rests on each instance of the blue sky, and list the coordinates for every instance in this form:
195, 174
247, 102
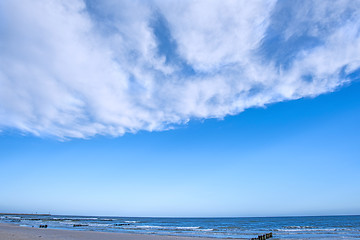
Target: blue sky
293, 158
207, 108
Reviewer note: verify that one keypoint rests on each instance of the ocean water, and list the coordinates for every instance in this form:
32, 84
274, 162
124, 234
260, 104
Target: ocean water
320, 227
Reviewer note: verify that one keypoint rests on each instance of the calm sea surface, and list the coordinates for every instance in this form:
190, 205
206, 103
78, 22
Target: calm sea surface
329, 227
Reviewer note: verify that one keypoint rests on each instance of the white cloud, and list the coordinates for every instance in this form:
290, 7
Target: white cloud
212, 34
75, 69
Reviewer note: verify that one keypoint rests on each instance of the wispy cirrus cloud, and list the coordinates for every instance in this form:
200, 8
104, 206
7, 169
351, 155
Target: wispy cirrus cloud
75, 69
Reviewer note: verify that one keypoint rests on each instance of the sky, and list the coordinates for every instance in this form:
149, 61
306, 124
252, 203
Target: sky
181, 108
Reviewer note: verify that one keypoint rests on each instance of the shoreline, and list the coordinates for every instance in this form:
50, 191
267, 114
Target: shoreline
27, 214
16, 232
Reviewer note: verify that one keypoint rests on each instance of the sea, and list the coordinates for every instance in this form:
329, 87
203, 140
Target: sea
318, 227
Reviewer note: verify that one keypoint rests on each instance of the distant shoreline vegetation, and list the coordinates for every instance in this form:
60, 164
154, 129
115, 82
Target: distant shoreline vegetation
37, 214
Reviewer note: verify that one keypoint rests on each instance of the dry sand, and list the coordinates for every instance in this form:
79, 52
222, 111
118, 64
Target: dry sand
14, 232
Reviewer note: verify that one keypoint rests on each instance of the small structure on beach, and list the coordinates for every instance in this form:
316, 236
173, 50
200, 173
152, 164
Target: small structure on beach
263, 237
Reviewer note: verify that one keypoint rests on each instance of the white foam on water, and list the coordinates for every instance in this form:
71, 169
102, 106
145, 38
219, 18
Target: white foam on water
309, 230
300, 227
169, 228
81, 218
67, 222
149, 227
99, 225
187, 228
205, 230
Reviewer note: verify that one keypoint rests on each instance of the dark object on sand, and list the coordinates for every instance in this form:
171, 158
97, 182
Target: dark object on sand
80, 225
121, 224
263, 237
43, 226
269, 235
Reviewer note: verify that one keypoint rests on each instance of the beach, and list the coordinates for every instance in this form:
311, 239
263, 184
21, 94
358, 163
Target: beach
14, 232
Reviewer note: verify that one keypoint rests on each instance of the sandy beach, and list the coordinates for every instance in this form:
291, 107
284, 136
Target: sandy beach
14, 232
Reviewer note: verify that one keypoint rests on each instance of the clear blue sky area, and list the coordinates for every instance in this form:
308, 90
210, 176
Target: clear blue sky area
292, 158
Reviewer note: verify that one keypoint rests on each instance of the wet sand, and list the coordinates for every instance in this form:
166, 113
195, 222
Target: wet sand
14, 232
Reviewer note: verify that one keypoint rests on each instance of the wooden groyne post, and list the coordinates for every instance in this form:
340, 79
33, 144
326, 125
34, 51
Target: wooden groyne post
263, 237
